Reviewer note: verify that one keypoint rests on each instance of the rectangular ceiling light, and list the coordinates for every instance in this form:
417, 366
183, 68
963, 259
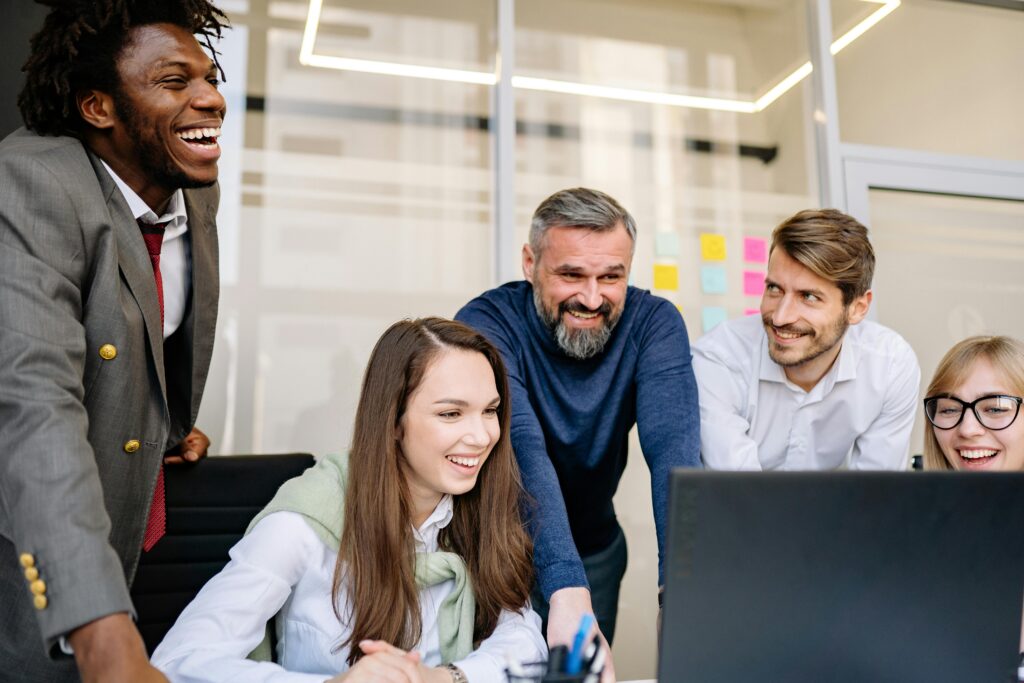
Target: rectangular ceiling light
309, 58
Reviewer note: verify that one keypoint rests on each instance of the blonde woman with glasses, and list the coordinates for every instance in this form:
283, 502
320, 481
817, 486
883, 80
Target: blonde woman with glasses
973, 404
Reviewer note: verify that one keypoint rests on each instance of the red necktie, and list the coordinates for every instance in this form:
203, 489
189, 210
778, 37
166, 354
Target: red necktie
156, 525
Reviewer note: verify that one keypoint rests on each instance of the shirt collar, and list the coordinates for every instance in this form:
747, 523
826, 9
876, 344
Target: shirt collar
849, 357
426, 535
770, 371
844, 368
174, 216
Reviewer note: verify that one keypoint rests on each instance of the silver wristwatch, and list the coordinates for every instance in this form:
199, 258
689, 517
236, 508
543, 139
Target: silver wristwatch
458, 675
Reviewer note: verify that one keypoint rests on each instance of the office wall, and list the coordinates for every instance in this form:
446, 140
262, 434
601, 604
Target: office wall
937, 76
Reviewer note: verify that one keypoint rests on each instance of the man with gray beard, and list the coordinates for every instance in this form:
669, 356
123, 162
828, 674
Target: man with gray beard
588, 357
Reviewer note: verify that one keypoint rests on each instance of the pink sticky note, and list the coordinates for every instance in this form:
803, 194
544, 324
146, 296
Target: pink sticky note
753, 282
751, 311
755, 249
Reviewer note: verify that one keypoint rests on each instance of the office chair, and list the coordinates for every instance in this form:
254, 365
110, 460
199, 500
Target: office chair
209, 506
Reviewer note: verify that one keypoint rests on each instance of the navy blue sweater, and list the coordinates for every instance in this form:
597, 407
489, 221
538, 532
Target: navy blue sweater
571, 419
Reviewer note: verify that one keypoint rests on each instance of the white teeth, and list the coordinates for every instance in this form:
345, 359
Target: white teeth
199, 133
788, 335
465, 462
975, 453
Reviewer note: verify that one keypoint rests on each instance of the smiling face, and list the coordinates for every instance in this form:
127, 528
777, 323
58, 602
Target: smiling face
160, 126
579, 285
449, 427
969, 445
805, 318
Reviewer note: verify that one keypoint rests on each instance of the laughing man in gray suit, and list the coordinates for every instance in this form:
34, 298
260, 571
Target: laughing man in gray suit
108, 301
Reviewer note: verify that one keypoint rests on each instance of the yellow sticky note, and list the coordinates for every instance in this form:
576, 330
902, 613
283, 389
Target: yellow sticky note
666, 277
712, 247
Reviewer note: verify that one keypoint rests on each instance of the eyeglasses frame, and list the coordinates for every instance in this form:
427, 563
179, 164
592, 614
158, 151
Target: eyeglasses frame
973, 408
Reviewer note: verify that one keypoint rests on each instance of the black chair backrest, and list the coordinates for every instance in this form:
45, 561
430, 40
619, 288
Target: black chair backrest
209, 506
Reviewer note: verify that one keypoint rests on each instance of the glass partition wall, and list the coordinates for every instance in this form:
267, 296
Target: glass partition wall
368, 144
934, 76
365, 198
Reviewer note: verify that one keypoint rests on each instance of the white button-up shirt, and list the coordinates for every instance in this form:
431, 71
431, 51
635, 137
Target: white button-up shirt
283, 565
859, 415
175, 253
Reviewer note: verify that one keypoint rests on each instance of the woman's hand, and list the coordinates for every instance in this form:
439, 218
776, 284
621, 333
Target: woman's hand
385, 662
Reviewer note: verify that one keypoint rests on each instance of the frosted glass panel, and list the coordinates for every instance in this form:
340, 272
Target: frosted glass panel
948, 267
933, 75
351, 200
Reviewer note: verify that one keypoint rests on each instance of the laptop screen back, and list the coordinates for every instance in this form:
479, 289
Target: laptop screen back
811, 577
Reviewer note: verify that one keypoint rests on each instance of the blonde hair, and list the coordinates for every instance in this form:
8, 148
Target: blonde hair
832, 245
1004, 353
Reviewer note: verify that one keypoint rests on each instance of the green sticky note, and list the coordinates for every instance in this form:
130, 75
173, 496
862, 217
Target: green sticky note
711, 316
713, 280
666, 244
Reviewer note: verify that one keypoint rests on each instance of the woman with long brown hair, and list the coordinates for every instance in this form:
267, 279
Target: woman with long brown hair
407, 560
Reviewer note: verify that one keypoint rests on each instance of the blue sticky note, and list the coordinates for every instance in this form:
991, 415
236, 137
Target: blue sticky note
713, 280
711, 316
666, 244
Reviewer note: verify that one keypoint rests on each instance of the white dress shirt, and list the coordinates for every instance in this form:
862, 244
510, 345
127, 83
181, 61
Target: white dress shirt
859, 415
175, 253
282, 565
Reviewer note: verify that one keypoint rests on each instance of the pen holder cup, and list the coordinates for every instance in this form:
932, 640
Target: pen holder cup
537, 672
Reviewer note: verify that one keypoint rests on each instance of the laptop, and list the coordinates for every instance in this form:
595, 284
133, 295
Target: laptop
814, 577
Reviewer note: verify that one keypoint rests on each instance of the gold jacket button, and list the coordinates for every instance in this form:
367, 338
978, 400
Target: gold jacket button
39, 601
31, 573
27, 560
108, 352
38, 587
131, 445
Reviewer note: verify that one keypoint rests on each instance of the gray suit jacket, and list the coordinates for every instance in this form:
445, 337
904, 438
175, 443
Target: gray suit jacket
75, 276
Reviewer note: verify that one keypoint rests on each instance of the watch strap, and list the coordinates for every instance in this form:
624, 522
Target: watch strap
458, 675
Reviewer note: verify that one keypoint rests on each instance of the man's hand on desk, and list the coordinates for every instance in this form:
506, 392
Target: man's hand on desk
191, 449
566, 607
110, 650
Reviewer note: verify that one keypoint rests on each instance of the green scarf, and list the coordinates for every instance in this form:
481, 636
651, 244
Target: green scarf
318, 495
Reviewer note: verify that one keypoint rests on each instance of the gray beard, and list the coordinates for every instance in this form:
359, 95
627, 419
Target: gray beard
578, 344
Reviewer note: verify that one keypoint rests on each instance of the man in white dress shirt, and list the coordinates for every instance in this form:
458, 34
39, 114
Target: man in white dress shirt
811, 384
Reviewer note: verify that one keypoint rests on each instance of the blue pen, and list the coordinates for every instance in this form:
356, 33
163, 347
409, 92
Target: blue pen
575, 661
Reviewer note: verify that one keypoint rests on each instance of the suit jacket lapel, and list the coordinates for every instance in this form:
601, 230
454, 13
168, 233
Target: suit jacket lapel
202, 320
136, 268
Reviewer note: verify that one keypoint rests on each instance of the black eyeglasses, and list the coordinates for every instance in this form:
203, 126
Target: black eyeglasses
993, 412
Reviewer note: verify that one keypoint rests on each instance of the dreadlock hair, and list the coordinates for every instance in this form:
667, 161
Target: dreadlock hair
78, 47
